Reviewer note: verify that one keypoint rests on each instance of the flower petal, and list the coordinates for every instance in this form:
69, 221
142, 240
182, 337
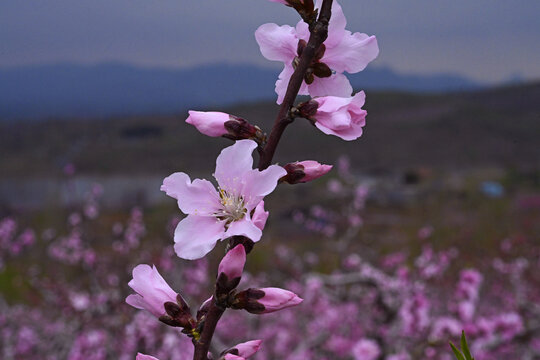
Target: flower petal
260, 216
258, 184
283, 82
335, 85
136, 301
145, 357
244, 227
352, 54
353, 132
277, 43
233, 162
249, 348
147, 281
358, 100
197, 197
336, 28
195, 236
331, 104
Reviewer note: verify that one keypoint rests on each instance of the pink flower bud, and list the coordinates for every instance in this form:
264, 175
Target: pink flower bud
233, 357
214, 123
230, 271
152, 290
341, 116
205, 306
275, 299
145, 357
266, 300
211, 123
304, 171
233, 263
248, 348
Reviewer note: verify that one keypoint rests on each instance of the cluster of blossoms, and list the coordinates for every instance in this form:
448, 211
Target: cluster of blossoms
315, 55
11, 243
405, 307
414, 301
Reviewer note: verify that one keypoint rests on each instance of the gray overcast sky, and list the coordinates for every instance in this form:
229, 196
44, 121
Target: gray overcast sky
488, 40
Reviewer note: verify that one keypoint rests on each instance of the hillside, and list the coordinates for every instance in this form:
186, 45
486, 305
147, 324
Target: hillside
103, 90
498, 127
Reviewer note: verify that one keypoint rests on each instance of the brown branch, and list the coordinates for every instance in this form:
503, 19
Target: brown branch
319, 33
211, 319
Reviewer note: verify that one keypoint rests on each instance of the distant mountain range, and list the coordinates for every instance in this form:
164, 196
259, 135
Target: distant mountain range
67, 90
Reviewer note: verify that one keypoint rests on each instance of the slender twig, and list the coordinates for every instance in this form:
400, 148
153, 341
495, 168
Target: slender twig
319, 33
211, 319
317, 37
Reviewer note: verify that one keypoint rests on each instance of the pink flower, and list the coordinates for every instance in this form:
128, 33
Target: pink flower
217, 215
145, 357
343, 52
342, 117
233, 357
233, 263
244, 350
445, 326
366, 349
265, 300
248, 348
275, 299
304, 171
211, 123
216, 124
152, 290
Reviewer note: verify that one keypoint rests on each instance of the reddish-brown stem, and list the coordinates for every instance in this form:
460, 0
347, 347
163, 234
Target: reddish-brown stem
319, 33
211, 319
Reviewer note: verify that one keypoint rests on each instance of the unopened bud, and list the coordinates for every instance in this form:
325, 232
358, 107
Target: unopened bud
265, 300
230, 270
214, 123
243, 350
233, 357
203, 309
178, 314
304, 171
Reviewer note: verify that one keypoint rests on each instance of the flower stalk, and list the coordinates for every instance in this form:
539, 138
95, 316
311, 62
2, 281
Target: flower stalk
319, 33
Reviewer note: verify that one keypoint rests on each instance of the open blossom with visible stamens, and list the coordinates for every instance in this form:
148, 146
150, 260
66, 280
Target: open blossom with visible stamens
341, 52
152, 290
219, 214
